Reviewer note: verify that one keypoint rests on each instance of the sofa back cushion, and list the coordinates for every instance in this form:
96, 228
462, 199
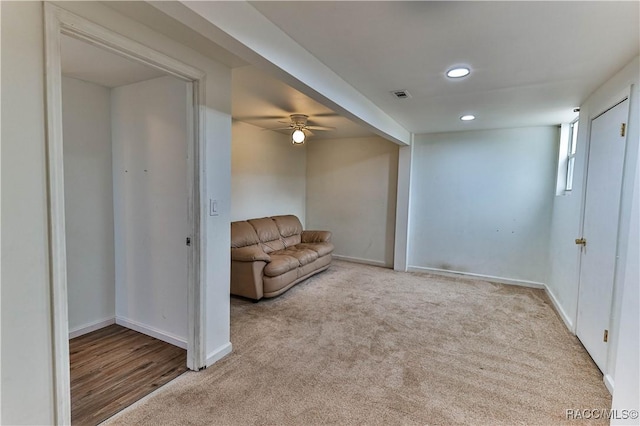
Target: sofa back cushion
268, 234
271, 233
290, 229
243, 234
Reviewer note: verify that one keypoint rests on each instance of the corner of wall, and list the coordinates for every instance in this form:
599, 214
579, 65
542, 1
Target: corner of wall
568, 322
218, 353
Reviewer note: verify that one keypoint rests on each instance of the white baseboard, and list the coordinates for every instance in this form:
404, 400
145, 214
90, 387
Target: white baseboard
153, 332
359, 260
88, 328
608, 382
501, 280
218, 354
560, 310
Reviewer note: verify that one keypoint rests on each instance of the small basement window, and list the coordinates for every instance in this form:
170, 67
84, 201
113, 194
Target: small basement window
571, 154
567, 157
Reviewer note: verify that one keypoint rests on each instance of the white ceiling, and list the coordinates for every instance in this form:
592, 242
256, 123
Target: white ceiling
264, 101
258, 98
86, 62
532, 62
151, 17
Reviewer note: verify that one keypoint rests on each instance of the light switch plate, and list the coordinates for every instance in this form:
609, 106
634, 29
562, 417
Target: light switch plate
213, 207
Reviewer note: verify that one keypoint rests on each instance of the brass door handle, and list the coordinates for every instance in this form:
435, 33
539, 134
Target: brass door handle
581, 241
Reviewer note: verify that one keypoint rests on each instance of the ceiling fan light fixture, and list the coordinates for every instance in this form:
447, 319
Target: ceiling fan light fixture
298, 137
458, 72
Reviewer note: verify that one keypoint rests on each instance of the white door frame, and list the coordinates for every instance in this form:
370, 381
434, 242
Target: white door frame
58, 22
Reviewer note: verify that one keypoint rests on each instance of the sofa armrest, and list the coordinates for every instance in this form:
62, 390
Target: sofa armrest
316, 236
249, 254
246, 279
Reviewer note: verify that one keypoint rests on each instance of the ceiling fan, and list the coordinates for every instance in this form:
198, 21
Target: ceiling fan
300, 128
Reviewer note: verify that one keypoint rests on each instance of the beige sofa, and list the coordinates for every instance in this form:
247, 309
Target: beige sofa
271, 254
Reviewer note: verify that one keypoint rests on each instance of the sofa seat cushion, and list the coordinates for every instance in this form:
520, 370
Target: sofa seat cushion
280, 264
321, 248
303, 254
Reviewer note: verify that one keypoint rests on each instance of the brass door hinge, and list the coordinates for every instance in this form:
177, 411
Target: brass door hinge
623, 129
606, 336
581, 241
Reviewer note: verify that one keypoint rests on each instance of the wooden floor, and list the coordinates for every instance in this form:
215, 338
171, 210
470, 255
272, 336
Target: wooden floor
113, 367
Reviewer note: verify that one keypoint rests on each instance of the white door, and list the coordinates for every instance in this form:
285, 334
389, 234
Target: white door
600, 230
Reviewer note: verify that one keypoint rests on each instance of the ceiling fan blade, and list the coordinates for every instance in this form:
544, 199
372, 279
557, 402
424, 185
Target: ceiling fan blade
326, 114
285, 122
259, 117
320, 128
280, 128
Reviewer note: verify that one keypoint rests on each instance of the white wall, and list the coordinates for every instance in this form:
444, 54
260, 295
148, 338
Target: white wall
268, 174
149, 127
27, 360
481, 202
351, 191
88, 203
626, 394
27, 369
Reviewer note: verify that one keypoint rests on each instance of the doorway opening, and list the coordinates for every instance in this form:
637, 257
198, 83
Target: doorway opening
124, 191
125, 185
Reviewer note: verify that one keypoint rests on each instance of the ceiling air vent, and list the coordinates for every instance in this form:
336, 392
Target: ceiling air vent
401, 94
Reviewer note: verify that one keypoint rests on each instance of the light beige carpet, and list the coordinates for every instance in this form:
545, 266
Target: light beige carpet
364, 345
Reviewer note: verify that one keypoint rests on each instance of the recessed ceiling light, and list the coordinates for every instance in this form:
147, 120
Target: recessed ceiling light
458, 72
468, 117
